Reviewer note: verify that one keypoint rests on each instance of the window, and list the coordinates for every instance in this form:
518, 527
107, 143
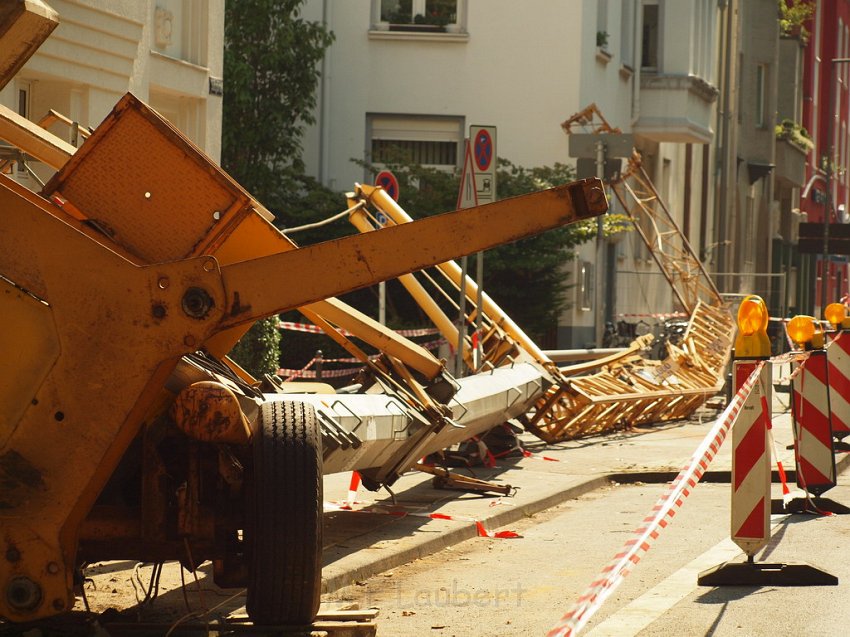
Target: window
427, 153
420, 15
602, 24
761, 88
586, 286
24, 100
429, 141
650, 43
181, 29
627, 25
23, 108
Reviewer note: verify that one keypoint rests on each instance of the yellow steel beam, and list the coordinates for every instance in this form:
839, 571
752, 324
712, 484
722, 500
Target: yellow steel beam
361, 260
387, 341
433, 311
33, 139
453, 271
24, 25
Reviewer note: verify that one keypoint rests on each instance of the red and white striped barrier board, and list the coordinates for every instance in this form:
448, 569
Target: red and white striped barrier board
838, 356
750, 528
812, 425
662, 513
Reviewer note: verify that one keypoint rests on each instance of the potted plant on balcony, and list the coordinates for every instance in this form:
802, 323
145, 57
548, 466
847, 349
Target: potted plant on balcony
792, 132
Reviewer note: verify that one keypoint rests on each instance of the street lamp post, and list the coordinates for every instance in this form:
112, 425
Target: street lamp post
828, 169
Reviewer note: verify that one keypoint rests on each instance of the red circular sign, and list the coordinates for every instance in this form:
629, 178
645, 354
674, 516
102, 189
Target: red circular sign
483, 149
388, 182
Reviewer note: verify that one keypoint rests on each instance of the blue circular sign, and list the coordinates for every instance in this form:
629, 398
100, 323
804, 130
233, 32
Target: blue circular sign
388, 182
483, 149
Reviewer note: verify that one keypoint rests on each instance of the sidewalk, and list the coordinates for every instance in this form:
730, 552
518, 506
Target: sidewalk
361, 544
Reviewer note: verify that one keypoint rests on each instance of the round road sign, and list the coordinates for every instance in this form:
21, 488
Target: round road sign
388, 182
483, 148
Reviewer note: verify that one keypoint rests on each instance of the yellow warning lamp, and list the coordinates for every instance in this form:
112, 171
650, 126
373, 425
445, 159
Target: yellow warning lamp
805, 332
752, 340
836, 313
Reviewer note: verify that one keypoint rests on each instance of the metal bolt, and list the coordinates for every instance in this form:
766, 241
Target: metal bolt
23, 594
52, 568
163, 282
197, 303
158, 311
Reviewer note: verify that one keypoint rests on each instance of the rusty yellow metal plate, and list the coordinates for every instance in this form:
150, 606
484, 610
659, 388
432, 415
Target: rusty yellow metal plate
148, 188
29, 347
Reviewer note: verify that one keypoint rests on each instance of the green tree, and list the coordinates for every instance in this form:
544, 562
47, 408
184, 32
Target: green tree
271, 68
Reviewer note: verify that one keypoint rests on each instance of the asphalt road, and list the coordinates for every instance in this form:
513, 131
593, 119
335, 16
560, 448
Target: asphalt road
523, 586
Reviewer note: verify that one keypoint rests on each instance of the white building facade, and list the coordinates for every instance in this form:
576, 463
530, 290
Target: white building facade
169, 53
418, 73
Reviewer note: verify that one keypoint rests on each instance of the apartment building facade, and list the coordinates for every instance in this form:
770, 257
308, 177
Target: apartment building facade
418, 73
169, 53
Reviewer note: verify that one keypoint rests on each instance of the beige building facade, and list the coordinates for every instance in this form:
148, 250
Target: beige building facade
169, 53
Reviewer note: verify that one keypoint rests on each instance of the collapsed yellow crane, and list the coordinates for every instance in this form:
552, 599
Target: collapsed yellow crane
125, 432
624, 389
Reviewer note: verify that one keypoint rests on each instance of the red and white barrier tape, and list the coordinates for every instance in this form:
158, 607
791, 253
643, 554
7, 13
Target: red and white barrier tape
427, 345
786, 492
667, 506
314, 329
292, 374
305, 372
661, 316
310, 373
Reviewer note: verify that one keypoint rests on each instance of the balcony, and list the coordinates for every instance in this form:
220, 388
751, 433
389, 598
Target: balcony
792, 147
675, 108
790, 163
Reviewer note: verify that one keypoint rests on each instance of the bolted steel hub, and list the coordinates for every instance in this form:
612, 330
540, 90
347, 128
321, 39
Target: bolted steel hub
197, 303
23, 594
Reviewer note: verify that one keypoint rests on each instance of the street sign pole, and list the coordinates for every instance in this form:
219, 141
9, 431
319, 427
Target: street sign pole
477, 186
600, 254
588, 147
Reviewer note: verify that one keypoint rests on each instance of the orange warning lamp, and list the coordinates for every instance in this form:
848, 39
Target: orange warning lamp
804, 330
752, 340
836, 313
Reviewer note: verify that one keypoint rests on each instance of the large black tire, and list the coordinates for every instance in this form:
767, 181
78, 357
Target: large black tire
284, 531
